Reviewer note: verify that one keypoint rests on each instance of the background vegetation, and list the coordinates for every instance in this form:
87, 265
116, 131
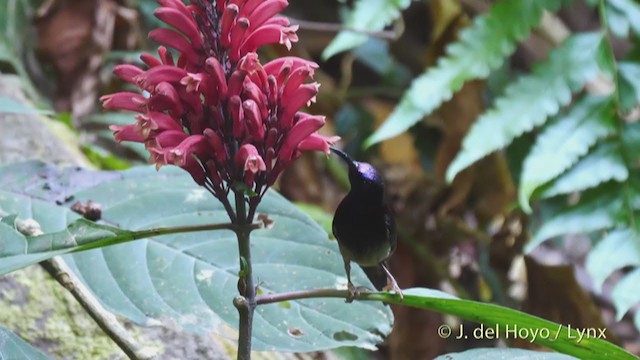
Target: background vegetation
507, 132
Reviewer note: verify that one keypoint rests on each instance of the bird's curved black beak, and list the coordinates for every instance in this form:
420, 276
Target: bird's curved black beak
342, 154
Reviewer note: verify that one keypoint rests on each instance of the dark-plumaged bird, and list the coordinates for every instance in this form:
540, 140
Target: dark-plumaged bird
364, 226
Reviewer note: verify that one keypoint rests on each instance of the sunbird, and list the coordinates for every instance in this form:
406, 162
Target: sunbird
364, 226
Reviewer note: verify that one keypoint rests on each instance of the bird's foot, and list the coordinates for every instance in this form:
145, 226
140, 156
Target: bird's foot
353, 293
393, 286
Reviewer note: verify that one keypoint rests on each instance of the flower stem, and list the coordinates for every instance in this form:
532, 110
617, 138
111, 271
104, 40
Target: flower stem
246, 301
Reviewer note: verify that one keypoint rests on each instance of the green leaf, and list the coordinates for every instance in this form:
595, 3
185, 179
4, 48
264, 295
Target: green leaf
631, 141
104, 120
623, 15
504, 320
318, 214
511, 354
15, 33
46, 182
598, 209
102, 159
9, 105
626, 293
562, 143
18, 250
621, 247
376, 55
13, 347
190, 279
629, 84
529, 101
604, 163
367, 15
481, 48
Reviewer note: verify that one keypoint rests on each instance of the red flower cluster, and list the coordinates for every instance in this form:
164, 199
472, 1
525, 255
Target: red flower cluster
216, 111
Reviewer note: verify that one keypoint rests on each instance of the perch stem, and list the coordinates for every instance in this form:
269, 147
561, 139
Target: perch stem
387, 297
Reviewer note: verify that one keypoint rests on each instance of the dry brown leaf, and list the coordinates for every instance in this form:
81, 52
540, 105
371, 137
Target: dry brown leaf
74, 36
554, 294
399, 150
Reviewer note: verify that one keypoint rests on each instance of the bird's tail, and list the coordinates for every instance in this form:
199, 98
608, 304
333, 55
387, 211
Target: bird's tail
377, 276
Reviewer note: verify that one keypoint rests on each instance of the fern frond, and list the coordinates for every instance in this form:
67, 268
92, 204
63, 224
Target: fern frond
598, 209
626, 293
629, 77
604, 163
529, 101
481, 48
623, 245
622, 16
562, 143
369, 15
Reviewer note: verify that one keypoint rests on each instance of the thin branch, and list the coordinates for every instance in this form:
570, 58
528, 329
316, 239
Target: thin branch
335, 27
387, 297
60, 271
303, 294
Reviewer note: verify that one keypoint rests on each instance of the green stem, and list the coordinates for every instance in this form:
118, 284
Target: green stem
143, 234
618, 104
306, 294
246, 302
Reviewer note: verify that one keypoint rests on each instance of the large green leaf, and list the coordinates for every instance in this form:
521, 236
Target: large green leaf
511, 354
20, 247
618, 249
9, 105
18, 251
505, 321
529, 101
367, 15
14, 348
48, 183
482, 47
189, 280
603, 164
563, 142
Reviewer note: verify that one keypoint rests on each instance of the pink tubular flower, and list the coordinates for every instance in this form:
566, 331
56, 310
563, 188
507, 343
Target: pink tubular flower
216, 111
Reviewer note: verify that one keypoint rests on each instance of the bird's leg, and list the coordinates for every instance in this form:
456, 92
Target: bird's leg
353, 292
391, 281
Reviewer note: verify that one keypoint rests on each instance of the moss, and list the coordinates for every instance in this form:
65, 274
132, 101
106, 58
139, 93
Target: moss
45, 315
